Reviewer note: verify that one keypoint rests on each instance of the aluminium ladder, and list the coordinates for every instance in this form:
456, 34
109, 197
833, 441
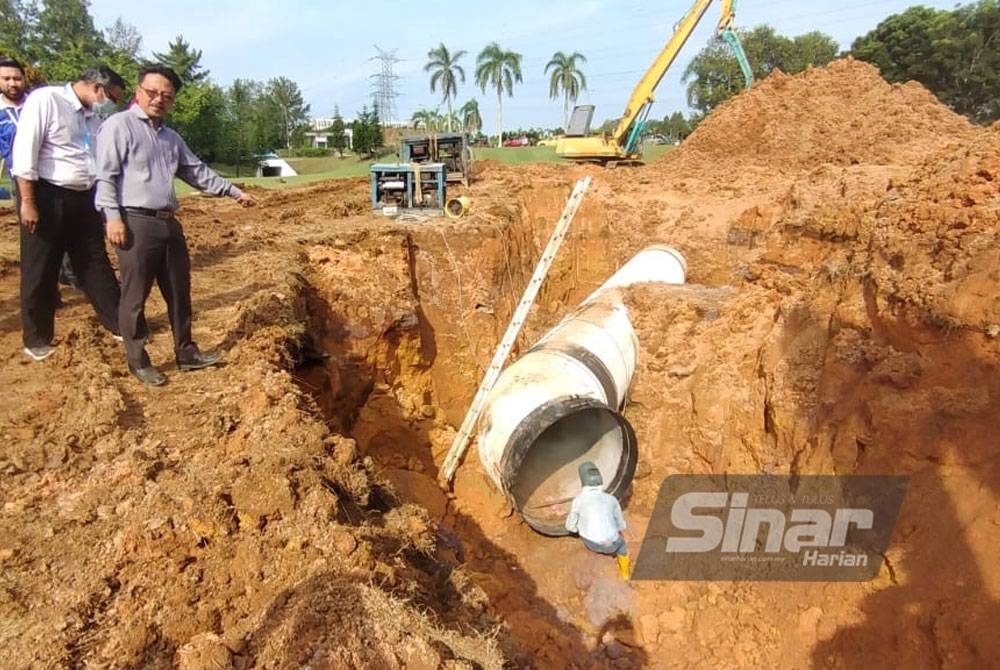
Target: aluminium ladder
461, 442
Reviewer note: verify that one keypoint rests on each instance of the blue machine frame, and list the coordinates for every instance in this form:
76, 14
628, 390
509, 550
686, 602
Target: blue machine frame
452, 149
399, 181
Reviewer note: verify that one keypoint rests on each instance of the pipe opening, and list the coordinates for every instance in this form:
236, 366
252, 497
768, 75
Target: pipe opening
542, 471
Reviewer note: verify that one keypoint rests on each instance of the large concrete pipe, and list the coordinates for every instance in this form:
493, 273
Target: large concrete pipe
559, 404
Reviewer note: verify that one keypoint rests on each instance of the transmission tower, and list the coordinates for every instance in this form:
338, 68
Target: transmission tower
384, 92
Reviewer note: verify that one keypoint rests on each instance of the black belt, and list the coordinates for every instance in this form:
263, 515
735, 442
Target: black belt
154, 213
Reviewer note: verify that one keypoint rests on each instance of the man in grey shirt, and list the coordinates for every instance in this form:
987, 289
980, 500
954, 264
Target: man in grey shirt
137, 160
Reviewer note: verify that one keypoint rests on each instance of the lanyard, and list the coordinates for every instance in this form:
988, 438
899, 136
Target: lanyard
90, 160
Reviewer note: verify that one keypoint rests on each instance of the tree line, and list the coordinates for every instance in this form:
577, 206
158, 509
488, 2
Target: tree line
498, 70
953, 52
57, 40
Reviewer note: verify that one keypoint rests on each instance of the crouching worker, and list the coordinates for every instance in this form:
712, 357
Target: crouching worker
597, 517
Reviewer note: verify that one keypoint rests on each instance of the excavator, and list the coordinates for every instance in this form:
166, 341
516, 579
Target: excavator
623, 145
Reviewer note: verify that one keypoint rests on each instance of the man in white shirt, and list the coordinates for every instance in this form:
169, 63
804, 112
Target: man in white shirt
13, 93
54, 164
597, 517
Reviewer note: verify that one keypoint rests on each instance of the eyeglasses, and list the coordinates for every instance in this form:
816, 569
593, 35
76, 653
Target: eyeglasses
162, 95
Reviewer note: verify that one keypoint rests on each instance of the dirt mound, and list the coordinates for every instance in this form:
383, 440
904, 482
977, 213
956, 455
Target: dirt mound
935, 243
844, 113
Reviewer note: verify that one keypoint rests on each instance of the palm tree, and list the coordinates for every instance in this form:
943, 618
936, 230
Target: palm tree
451, 120
446, 71
568, 77
428, 118
498, 69
471, 119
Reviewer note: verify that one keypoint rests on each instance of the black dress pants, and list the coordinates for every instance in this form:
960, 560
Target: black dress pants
155, 249
67, 223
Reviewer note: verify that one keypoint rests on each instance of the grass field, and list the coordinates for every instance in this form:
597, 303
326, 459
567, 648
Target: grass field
320, 169
316, 169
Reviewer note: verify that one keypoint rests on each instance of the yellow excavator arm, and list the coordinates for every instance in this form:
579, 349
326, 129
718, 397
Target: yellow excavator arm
623, 142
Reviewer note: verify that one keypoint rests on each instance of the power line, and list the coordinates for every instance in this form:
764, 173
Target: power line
384, 81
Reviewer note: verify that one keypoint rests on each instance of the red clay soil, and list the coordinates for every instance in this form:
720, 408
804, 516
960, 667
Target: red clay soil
841, 316
843, 114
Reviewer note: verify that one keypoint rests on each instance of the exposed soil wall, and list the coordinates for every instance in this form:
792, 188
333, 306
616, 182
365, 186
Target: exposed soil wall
281, 511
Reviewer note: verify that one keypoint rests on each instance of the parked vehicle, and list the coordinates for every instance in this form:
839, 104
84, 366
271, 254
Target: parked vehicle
522, 141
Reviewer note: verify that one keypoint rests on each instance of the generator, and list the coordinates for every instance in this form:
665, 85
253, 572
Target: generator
409, 186
452, 149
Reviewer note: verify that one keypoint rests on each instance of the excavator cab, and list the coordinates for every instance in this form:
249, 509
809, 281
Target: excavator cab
579, 121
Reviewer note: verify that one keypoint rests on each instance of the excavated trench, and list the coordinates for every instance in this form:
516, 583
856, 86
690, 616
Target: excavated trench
399, 354
396, 362
781, 356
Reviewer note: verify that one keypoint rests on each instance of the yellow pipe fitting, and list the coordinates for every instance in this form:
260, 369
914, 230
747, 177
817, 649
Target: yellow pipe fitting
457, 207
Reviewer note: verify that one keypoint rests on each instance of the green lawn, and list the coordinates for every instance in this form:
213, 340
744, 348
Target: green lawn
321, 169
339, 167
349, 166
519, 155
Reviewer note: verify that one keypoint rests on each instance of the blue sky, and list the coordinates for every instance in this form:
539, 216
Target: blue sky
327, 47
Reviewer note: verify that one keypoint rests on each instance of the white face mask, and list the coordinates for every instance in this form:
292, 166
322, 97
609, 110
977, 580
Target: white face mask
104, 107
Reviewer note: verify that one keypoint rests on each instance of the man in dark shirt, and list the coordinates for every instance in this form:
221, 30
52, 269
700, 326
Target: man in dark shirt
137, 159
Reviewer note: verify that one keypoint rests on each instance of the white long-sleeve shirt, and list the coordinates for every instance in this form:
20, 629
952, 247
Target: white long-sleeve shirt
55, 139
596, 516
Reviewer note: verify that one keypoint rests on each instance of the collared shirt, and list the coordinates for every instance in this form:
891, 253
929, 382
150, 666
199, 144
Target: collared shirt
137, 162
596, 516
55, 138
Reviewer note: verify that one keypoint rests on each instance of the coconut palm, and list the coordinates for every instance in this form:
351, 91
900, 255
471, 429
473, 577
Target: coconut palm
567, 77
430, 119
451, 120
499, 70
446, 72
472, 121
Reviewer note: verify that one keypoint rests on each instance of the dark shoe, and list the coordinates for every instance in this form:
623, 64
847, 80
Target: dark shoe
198, 360
148, 375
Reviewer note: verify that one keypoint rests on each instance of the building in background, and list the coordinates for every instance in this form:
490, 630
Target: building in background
319, 134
